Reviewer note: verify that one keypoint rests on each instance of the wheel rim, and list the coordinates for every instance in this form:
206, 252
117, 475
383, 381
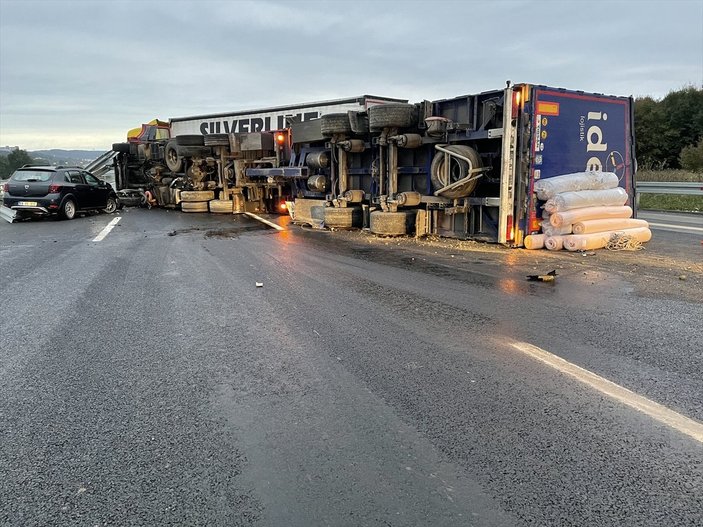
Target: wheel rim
111, 206
69, 209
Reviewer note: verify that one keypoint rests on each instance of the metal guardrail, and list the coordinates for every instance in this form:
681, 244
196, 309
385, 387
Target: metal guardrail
101, 164
7, 214
670, 187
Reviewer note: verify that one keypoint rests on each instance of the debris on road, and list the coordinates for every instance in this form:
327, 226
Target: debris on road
259, 284
549, 277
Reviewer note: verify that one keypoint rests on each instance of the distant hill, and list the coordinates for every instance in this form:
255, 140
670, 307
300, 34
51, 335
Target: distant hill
66, 157
57, 156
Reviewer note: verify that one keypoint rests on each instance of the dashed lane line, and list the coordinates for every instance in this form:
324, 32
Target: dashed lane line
677, 228
106, 230
654, 410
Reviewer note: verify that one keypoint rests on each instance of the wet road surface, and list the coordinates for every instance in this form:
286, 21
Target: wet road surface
146, 380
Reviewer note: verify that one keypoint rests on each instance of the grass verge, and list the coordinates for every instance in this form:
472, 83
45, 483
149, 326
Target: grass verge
670, 201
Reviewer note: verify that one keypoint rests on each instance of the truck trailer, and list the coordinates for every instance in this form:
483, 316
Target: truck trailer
463, 167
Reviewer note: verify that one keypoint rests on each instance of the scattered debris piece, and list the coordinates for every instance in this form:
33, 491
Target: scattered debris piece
549, 277
259, 284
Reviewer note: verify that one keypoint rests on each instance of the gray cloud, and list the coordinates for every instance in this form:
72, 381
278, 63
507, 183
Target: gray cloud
82, 73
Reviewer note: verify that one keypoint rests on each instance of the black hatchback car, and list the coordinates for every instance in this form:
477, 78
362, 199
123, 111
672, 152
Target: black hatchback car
47, 190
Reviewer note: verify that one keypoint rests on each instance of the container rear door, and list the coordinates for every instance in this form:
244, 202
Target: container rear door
575, 132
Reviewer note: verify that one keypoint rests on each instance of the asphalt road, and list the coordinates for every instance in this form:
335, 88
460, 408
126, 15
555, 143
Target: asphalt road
146, 380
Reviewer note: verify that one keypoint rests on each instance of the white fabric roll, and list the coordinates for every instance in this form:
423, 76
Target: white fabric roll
534, 241
598, 240
611, 197
554, 243
559, 219
549, 187
607, 224
551, 230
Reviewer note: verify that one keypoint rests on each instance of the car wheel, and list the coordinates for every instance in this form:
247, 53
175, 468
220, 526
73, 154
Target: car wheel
68, 209
111, 205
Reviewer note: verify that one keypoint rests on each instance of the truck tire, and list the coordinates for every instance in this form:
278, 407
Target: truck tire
190, 140
459, 169
194, 151
342, 218
391, 223
194, 206
335, 123
122, 148
392, 115
193, 196
174, 161
221, 206
216, 140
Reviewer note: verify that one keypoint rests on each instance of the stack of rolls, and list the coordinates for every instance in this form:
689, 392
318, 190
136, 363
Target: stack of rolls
583, 211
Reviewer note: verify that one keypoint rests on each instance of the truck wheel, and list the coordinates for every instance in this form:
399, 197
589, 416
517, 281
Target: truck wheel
194, 206
391, 223
197, 195
122, 148
392, 115
68, 209
216, 140
194, 151
335, 123
174, 161
221, 206
190, 140
458, 169
342, 218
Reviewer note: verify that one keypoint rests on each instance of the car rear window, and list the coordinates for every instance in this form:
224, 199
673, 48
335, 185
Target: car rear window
32, 175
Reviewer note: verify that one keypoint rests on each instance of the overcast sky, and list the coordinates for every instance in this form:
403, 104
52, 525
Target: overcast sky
79, 74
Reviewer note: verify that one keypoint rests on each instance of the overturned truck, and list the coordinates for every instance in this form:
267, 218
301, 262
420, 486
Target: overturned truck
463, 167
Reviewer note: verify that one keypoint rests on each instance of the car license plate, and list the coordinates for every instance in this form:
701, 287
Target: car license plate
27, 203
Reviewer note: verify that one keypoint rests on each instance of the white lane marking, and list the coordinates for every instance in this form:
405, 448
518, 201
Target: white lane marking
656, 411
264, 221
106, 230
681, 228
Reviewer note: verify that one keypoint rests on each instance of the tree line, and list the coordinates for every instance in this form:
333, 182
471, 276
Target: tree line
13, 161
669, 132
